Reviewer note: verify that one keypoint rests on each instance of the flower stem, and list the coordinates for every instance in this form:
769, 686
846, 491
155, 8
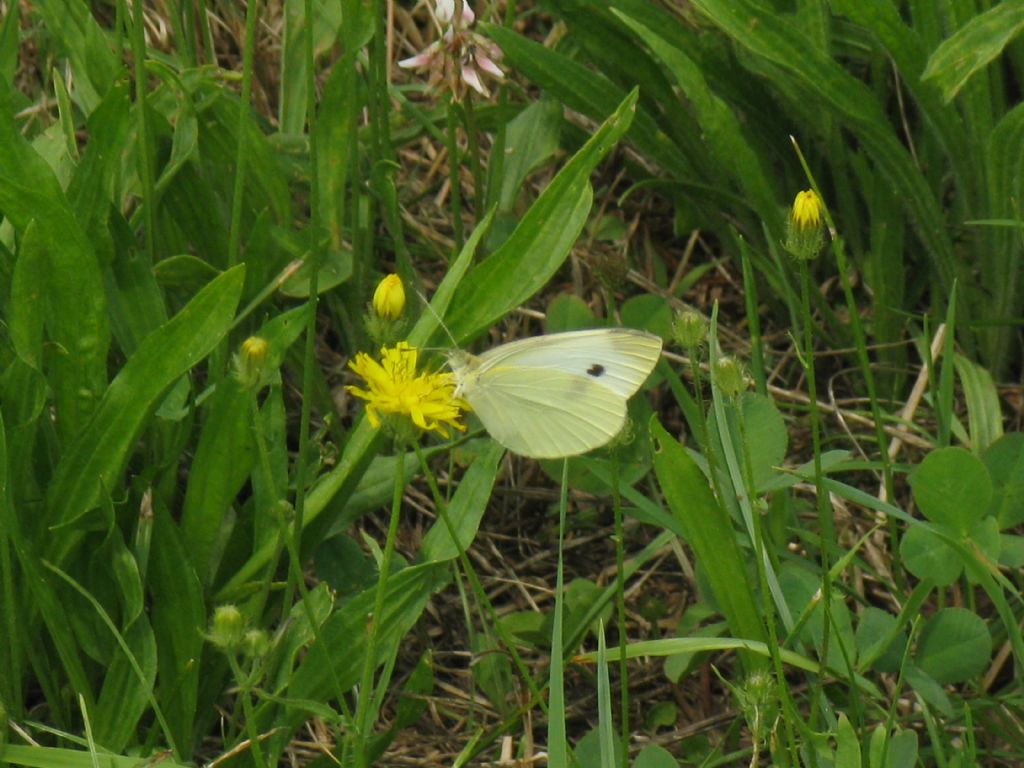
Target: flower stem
825, 523
364, 714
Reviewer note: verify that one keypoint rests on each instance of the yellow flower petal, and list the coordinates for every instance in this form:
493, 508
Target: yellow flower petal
394, 388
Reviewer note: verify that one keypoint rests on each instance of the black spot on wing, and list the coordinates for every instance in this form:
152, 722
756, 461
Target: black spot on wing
596, 370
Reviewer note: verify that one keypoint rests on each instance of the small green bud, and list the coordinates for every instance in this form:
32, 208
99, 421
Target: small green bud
227, 627
729, 377
255, 644
689, 328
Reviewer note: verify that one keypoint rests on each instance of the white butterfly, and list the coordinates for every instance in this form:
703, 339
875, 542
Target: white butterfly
557, 395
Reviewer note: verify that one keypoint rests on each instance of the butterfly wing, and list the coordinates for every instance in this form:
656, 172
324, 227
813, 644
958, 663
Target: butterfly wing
546, 413
620, 359
557, 395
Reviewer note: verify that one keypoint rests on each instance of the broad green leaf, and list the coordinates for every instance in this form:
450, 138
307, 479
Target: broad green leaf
542, 241
984, 415
93, 462
1001, 248
335, 125
763, 433
25, 315
335, 268
222, 463
653, 756
973, 46
72, 295
928, 556
847, 744
588, 92
86, 45
567, 312
465, 510
225, 454
952, 487
341, 564
709, 532
880, 641
124, 698
901, 746
925, 686
337, 484
1011, 551
591, 752
954, 646
10, 44
178, 614
531, 138
802, 590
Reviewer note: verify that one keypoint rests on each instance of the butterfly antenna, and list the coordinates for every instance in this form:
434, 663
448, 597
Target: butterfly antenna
437, 317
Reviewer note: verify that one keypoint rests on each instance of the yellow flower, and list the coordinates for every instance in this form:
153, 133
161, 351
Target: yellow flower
393, 388
389, 298
806, 212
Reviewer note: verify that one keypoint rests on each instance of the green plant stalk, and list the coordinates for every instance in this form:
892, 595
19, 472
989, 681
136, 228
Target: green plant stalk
11, 674
734, 471
825, 522
558, 756
244, 695
260, 599
478, 590
753, 322
839, 251
365, 714
242, 151
620, 605
473, 150
379, 85
781, 684
454, 192
142, 127
294, 542
308, 359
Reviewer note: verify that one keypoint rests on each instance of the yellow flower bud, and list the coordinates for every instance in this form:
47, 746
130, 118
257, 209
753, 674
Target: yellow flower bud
389, 298
807, 210
803, 229
251, 360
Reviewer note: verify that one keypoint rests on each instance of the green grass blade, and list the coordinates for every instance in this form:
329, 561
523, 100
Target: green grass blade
722, 131
122, 693
836, 92
53, 757
588, 92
